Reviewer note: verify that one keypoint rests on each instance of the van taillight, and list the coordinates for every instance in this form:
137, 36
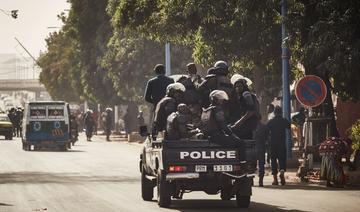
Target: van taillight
177, 168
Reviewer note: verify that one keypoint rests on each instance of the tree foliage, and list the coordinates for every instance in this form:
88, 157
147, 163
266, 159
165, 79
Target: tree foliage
57, 66
115, 44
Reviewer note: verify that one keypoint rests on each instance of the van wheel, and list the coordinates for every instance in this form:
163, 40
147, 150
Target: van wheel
163, 190
147, 190
242, 201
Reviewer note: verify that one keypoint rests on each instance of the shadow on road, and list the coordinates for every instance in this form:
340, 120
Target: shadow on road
61, 178
4, 204
57, 151
219, 205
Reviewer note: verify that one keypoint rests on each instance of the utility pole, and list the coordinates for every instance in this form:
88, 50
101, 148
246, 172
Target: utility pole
285, 77
167, 59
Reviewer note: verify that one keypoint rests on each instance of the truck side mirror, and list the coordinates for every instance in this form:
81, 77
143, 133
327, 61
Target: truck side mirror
143, 131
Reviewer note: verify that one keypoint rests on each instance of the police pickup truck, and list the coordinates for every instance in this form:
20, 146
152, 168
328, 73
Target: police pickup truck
180, 166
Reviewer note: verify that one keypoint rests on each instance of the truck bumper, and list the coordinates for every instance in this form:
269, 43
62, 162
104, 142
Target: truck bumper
182, 176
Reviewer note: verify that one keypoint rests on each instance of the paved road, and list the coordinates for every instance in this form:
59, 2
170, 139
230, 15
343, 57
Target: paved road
103, 176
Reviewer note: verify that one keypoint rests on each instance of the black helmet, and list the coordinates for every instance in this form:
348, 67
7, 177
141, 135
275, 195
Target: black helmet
183, 109
191, 67
222, 65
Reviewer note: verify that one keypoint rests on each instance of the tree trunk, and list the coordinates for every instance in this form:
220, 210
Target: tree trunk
264, 99
130, 117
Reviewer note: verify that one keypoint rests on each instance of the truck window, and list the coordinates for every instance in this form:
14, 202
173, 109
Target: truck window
55, 111
38, 112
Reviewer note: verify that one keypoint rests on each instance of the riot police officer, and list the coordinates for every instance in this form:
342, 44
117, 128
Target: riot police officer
217, 79
192, 97
247, 109
166, 106
214, 124
179, 125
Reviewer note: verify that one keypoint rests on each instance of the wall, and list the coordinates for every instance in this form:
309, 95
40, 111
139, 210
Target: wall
347, 113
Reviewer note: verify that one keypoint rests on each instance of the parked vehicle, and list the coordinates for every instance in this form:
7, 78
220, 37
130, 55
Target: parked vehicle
46, 124
180, 166
6, 127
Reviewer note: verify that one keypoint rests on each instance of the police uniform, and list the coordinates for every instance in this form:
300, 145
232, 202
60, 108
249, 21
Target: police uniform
214, 125
246, 102
217, 80
166, 106
192, 96
178, 124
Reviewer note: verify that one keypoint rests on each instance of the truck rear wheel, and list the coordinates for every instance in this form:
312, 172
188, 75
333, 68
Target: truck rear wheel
147, 190
225, 194
242, 201
163, 191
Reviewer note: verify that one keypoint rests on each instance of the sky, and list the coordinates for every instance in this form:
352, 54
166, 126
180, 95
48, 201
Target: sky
31, 26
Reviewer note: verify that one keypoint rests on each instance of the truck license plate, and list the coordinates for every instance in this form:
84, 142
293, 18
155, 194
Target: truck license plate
200, 168
223, 168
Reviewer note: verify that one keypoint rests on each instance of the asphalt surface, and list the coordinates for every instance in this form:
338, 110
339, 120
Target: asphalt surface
101, 176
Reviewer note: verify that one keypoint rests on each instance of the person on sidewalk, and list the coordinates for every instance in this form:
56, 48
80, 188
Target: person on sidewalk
331, 151
277, 130
89, 124
108, 123
261, 138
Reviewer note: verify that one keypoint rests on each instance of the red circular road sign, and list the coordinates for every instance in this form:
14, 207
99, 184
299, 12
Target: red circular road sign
310, 91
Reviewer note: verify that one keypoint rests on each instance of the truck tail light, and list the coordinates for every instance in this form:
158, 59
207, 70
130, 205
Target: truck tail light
177, 168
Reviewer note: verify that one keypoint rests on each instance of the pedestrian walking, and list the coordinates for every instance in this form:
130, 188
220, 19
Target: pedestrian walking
89, 124
277, 129
261, 139
108, 123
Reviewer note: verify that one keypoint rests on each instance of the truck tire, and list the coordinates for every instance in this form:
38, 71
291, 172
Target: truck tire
147, 190
225, 194
242, 201
163, 191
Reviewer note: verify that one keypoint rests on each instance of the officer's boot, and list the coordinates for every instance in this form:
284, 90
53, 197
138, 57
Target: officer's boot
282, 177
261, 181
275, 182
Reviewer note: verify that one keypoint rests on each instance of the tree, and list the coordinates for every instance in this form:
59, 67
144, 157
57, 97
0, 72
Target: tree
131, 57
56, 65
244, 33
90, 26
329, 36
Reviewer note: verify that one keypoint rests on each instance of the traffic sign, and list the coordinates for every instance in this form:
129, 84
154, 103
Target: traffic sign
310, 91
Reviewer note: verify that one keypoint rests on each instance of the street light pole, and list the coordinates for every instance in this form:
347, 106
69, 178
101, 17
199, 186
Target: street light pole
167, 59
285, 77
